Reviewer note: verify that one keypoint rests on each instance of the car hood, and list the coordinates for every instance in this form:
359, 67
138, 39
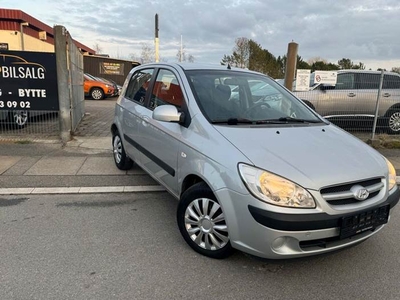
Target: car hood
311, 156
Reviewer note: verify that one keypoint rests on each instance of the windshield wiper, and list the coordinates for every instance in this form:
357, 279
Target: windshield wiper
233, 121
296, 120
282, 120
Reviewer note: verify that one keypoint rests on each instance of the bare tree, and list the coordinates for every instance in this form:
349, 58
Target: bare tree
134, 57
184, 56
241, 54
148, 54
97, 48
396, 69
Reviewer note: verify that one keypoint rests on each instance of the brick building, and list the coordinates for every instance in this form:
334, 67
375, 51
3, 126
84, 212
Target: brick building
20, 31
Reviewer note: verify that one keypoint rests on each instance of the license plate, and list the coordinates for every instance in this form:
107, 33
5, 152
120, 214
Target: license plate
368, 220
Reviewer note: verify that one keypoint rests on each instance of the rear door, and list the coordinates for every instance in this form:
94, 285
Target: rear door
365, 98
390, 95
133, 106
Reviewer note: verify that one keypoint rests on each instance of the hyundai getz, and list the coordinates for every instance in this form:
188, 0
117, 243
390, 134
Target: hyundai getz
253, 168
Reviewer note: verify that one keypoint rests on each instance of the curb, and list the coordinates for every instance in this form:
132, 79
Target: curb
91, 190
82, 190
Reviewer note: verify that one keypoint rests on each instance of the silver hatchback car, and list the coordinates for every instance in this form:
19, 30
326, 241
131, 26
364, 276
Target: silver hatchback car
252, 166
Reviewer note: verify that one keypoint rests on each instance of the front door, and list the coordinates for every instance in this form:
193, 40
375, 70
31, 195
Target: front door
160, 141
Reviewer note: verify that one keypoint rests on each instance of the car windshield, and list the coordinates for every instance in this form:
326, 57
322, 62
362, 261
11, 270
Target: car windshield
234, 97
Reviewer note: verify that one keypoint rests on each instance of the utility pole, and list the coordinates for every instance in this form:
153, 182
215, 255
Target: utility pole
181, 52
291, 65
156, 41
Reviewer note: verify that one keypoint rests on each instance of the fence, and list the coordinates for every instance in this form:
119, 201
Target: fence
70, 82
28, 94
29, 125
358, 101
77, 97
41, 94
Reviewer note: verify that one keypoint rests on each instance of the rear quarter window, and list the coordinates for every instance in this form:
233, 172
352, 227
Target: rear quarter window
391, 82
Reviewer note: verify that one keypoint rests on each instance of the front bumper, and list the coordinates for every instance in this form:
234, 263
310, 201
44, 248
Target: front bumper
261, 232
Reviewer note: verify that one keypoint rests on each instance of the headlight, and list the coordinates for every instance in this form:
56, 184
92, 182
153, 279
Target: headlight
275, 189
108, 85
392, 175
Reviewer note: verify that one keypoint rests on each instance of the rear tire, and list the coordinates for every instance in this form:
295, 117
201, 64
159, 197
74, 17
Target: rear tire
122, 161
393, 121
202, 223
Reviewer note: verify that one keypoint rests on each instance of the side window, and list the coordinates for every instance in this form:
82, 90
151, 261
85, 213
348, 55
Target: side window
138, 85
345, 81
391, 82
368, 81
166, 90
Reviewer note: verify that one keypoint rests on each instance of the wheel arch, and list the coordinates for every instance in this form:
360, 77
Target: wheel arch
96, 87
393, 107
309, 104
189, 181
114, 129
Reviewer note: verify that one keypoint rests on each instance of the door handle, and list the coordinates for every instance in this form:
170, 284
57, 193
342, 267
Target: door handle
145, 121
386, 95
351, 95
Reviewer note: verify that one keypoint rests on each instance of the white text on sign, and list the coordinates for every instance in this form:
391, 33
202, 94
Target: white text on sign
38, 93
22, 72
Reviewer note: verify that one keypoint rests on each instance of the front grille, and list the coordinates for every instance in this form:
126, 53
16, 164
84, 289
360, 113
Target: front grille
348, 186
344, 195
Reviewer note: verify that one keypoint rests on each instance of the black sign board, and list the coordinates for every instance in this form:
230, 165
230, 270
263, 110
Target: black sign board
28, 81
111, 68
3, 46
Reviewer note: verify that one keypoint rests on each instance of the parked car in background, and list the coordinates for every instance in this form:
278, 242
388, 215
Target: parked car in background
107, 81
254, 169
16, 118
352, 101
96, 88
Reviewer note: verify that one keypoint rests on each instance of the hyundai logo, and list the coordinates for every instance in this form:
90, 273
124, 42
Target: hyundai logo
359, 192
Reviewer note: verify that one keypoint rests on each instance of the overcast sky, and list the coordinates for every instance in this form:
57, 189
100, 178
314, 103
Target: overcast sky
362, 30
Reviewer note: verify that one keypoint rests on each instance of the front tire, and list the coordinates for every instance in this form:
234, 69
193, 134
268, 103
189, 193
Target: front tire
202, 223
122, 161
393, 121
97, 94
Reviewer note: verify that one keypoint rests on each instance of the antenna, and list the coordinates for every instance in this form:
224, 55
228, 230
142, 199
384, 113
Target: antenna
228, 67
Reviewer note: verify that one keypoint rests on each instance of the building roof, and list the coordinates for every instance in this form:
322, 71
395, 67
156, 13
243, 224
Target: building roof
18, 16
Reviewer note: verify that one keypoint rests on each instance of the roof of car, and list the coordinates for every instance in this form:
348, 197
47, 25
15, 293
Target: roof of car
196, 66
366, 72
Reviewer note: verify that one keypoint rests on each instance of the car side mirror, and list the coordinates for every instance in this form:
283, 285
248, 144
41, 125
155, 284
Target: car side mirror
324, 87
168, 113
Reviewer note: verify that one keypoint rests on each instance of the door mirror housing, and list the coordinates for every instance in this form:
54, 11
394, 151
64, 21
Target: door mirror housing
168, 113
325, 87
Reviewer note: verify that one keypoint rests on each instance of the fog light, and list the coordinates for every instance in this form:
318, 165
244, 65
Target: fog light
279, 242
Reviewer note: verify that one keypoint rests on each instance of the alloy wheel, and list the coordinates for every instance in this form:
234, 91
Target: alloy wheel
117, 149
394, 121
97, 94
206, 225
20, 118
